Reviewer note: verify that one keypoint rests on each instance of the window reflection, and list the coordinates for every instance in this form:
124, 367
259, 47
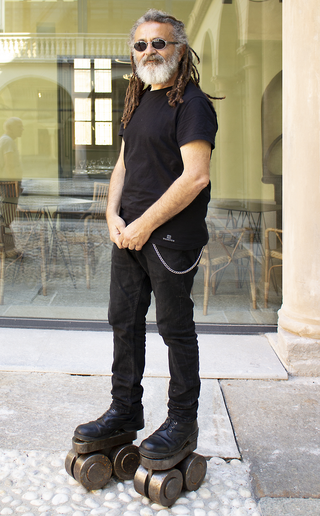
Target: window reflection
63, 71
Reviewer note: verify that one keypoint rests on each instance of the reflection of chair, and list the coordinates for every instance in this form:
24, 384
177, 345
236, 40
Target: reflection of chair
227, 246
89, 231
270, 255
9, 191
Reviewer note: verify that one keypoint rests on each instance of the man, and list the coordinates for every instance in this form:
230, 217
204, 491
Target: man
156, 211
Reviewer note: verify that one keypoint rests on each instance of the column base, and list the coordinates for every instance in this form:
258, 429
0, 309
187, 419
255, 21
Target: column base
299, 355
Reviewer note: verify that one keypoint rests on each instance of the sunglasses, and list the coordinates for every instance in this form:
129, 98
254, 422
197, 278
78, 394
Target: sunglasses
158, 44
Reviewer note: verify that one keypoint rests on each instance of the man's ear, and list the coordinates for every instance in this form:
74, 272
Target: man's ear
181, 52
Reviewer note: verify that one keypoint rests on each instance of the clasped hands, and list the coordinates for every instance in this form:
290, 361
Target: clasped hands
132, 237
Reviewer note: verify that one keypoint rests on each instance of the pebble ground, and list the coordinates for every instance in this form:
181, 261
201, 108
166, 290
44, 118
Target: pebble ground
35, 483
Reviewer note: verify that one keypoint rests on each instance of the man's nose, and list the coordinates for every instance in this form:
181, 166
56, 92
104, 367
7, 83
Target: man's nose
150, 49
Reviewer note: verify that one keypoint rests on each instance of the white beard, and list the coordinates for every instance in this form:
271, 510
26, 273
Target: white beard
159, 73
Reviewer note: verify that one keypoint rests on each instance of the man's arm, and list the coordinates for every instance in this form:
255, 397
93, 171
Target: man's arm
195, 177
115, 223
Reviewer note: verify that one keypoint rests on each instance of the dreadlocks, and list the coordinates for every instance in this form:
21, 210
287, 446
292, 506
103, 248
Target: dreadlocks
187, 70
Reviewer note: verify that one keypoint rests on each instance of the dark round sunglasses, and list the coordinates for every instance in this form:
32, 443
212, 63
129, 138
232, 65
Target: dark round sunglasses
158, 44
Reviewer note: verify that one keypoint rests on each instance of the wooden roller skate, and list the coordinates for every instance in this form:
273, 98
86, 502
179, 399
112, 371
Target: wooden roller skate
93, 463
162, 480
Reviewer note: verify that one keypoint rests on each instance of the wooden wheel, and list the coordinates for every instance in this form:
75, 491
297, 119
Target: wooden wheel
141, 481
70, 462
92, 471
125, 461
193, 469
165, 487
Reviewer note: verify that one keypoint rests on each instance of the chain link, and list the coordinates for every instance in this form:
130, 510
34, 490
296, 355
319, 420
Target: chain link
169, 268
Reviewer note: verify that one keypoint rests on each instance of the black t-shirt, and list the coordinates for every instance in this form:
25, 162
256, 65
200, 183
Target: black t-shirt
153, 162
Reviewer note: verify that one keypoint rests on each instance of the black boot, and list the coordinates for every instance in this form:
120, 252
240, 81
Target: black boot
169, 439
111, 422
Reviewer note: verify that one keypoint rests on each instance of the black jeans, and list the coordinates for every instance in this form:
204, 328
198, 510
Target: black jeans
134, 275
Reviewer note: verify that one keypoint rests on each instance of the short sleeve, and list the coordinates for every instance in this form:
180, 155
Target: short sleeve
197, 121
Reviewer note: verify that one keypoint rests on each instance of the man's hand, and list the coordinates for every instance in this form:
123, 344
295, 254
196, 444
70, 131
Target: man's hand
135, 235
116, 226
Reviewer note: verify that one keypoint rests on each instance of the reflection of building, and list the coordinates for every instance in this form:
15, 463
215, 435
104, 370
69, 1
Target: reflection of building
240, 46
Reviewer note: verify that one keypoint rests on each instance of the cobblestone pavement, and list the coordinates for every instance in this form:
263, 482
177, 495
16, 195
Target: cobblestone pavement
36, 483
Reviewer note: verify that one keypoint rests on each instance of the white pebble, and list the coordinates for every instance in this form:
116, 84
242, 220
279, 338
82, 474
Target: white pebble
47, 495
120, 487
112, 505
180, 509
130, 513
163, 512
213, 505
250, 504
78, 513
231, 493
59, 499
38, 502
198, 504
199, 512
240, 512
182, 501
7, 499
132, 492
192, 495
236, 503
235, 462
77, 497
109, 496
6, 510
146, 511
155, 506
124, 497
91, 503
44, 508
29, 496
245, 493
133, 506
204, 492
64, 509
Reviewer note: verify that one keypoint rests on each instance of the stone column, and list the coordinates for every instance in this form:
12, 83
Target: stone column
298, 342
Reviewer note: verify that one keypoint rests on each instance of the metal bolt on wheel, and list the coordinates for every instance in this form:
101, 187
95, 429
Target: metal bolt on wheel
125, 460
165, 487
193, 469
92, 471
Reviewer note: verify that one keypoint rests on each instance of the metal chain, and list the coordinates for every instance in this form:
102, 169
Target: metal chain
169, 268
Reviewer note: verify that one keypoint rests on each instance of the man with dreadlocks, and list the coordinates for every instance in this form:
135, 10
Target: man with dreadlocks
158, 197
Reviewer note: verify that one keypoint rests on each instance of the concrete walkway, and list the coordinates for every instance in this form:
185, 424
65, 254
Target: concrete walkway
53, 380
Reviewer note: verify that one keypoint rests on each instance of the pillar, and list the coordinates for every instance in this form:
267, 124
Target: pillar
298, 342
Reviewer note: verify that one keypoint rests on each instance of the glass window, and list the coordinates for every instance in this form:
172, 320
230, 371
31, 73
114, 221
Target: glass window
64, 69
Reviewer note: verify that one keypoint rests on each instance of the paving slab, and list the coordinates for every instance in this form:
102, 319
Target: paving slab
289, 507
87, 352
41, 410
277, 429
